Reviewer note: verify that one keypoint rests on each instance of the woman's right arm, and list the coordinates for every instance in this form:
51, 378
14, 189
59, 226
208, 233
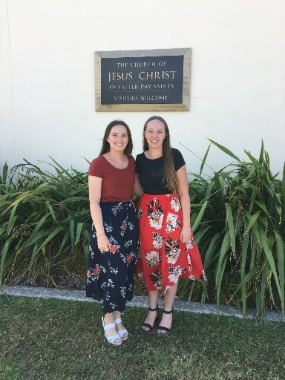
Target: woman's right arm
95, 187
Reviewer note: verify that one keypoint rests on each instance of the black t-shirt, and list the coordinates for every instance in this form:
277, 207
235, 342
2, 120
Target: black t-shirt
151, 172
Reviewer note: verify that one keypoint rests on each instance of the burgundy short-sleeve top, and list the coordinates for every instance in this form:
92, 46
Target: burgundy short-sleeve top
117, 184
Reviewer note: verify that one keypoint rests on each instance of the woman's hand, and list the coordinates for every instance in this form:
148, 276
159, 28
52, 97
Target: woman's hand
103, 243
185, 234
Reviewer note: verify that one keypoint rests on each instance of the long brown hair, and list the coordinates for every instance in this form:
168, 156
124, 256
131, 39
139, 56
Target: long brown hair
170, 178
105, 144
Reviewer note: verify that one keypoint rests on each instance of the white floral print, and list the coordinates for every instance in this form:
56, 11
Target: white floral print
157, 240
172, 222
175, 204
175, 273
152, 258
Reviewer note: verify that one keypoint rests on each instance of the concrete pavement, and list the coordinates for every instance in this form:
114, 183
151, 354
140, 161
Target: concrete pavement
138, 301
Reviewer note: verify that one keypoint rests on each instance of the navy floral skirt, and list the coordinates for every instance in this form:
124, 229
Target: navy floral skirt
110, 275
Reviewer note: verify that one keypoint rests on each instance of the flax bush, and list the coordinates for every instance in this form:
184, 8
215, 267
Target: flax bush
44, 222
238, 218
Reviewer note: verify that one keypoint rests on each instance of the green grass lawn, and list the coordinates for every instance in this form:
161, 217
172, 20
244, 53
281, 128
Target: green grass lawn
56, 339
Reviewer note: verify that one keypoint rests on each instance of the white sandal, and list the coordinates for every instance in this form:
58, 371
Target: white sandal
121, 332
112, 338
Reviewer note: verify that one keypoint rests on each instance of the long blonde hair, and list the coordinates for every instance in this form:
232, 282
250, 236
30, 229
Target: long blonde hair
170, 178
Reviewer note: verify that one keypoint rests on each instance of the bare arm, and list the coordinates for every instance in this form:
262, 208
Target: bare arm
137, 188
95, 186
185, 203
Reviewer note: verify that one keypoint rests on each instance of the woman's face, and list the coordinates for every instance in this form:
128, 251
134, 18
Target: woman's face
118, 138
155, 133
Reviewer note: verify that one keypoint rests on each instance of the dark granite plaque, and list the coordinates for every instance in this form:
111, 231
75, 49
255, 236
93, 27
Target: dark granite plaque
143, 80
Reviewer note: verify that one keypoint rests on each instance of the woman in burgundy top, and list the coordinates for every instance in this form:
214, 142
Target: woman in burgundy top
167, 247
114, 234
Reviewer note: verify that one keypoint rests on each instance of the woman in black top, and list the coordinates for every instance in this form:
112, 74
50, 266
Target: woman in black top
168, 250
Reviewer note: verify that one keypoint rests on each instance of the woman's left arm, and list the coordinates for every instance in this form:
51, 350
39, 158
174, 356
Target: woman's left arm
183, 193
137, 188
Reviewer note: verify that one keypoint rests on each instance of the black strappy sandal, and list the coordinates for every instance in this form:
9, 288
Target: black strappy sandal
148, 325
162, 328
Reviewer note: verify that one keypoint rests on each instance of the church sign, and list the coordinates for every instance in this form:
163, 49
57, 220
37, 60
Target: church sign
143, 80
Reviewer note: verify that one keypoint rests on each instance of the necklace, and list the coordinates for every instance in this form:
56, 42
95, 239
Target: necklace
117, 164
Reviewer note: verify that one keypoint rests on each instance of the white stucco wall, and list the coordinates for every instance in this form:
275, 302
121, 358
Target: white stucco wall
47, 78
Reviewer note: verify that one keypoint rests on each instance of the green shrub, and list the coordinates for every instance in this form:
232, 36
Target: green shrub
239, 223
45, 222
238, 219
